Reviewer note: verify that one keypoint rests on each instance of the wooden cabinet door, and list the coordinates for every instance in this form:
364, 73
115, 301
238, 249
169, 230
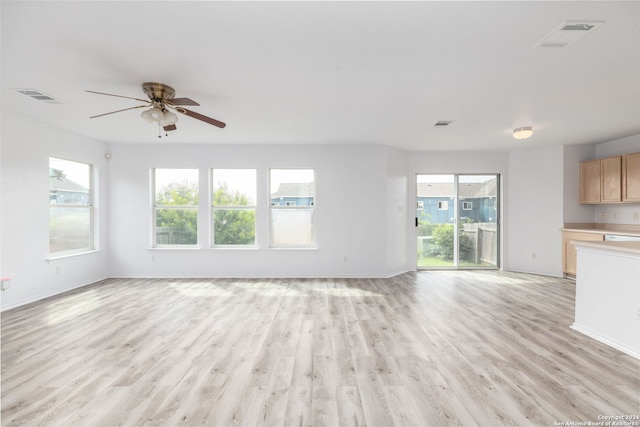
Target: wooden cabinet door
569, 253
631, 177
590, 182
611, 179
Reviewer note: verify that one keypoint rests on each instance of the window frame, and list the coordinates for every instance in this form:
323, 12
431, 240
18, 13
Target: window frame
90, 206
276, 206
213, 208
155, 207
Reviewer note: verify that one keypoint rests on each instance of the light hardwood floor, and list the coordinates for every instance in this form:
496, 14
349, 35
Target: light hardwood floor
438, 348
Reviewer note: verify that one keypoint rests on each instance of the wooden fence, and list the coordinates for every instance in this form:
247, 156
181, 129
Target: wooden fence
484, 237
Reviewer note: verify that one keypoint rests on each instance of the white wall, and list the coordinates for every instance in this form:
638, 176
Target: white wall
535, 210
618, 147
351, 212
398, 213
26, 148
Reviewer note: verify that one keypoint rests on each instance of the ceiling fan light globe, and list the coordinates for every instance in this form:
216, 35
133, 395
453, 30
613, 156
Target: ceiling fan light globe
169, 118
152, 115
156, 114
146, 114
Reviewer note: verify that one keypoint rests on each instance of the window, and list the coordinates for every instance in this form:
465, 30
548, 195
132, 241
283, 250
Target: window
234, 206
175, 208
70, 207
443, 205
292, 208
467, 206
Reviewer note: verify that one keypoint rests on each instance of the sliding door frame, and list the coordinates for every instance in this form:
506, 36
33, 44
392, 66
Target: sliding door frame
457, 223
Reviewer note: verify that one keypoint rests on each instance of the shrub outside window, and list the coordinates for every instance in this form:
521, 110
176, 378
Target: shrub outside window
70, 207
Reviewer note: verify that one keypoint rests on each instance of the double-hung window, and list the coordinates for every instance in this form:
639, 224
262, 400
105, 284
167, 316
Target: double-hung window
292, 208
70, 207
175, 207
234, 207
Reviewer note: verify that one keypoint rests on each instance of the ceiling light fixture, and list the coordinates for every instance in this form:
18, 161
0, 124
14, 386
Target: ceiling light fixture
523, 132
156, 115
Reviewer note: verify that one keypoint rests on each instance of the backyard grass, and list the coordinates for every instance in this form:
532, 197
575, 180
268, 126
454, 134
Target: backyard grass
437, 262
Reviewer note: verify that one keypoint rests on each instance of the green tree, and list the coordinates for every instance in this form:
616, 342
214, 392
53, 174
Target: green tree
232, 226
173, 225
176, 193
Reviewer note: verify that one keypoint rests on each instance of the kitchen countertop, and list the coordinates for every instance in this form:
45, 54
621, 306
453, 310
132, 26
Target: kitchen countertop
629, 247
623, 229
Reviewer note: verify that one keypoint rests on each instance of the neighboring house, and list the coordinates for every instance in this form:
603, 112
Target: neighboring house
294, 194
62, 190
477, 202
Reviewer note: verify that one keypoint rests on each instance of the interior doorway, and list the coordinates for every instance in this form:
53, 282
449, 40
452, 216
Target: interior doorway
457, 220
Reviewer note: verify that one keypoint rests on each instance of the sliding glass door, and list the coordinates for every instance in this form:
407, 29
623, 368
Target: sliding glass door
457, 221
435, 220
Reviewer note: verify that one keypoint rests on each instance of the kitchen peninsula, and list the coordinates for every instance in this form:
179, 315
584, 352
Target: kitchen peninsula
572, 232
608, 293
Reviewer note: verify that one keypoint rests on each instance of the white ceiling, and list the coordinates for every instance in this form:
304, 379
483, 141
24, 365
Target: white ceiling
330, 72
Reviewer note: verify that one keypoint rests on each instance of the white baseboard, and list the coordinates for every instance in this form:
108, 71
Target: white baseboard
48, 295
598, 337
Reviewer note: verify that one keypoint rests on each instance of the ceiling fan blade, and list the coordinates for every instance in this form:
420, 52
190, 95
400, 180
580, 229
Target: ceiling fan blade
119, 96
169, 128
182, 101
201, 117
117, 111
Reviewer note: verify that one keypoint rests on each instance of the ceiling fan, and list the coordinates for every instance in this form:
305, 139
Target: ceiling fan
162, 101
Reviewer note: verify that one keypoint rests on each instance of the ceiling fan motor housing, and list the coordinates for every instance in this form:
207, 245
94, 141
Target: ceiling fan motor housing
158, 92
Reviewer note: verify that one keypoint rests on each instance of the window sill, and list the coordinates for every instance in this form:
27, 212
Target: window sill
175, 248
289, 248
234, 248
55, 258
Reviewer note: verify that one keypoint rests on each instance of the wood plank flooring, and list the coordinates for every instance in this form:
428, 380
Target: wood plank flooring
483, 348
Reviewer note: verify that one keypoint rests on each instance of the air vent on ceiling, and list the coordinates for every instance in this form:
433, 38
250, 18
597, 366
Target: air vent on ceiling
39, 96
443, 123
568, 33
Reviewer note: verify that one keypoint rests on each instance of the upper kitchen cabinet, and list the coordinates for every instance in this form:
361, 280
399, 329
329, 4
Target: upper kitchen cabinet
590, 182
631, 177
610, 178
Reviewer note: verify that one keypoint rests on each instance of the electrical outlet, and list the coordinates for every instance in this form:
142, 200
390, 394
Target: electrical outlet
636, 216
5, 283
58, 269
